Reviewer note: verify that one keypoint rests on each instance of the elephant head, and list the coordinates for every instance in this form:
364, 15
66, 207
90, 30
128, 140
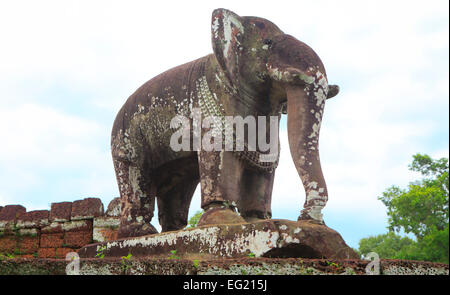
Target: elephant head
277, 69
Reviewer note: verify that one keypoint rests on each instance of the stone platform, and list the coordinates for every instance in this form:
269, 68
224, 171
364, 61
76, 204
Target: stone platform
273, 238
228, 266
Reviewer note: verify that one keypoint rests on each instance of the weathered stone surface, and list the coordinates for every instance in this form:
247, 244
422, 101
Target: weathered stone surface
70, 226
105, 234
54, 227
60, 211
31, 219
114, 208
268, 238
220, 216
30, 232
105, 228
75, 234
78, 225
10, 213
233, 266
86, 209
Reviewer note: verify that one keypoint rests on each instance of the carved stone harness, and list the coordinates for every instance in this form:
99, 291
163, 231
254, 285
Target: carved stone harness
210, 106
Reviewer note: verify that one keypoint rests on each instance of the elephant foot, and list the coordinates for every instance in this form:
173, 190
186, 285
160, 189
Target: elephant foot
307, 218
312, 214
310, 220
255, 216
136, 230
218, 214
253, 219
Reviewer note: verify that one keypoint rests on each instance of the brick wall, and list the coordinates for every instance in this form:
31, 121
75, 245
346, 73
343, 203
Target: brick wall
53, 233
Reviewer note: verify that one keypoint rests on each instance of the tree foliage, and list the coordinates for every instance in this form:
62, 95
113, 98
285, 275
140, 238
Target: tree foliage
423, 206
385, 245
193, 221
422, 210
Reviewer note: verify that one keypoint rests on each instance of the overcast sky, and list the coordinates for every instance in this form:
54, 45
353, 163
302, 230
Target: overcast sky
66, 68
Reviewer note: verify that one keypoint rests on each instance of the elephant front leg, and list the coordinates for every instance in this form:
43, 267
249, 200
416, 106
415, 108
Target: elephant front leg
137, 198
220, 176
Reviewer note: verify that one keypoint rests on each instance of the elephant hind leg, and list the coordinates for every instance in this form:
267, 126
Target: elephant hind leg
177, 183
256, 195
173, 205
137, 195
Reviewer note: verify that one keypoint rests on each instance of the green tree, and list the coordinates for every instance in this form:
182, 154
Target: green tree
193, 221
387, 246
420, 209
434, 246
423, 206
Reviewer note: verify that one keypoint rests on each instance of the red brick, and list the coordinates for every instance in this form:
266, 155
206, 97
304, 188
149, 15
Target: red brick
60, 211
12, 212
77, 239
87, 209
28, 245
33, 219
46, 252
52, 240
62, 252
8, 244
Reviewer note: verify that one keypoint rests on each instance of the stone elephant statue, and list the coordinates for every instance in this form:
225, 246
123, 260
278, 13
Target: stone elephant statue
255, 70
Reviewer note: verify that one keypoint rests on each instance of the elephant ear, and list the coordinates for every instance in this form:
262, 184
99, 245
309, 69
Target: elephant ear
226, 33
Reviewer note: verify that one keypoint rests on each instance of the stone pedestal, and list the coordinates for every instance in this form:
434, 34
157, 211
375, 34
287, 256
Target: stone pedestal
268, 238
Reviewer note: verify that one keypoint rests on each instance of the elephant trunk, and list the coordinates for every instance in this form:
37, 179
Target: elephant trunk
305, 106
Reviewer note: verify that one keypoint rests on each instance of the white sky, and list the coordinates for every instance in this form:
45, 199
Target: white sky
66, 67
